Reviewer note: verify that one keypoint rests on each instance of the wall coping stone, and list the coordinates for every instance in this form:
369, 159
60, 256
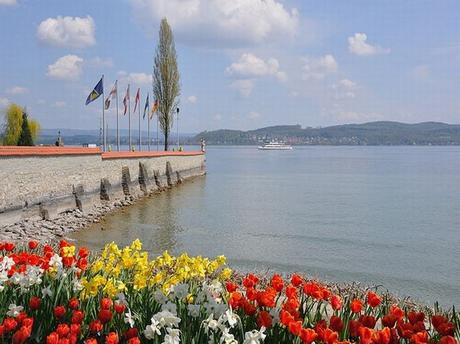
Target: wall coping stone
153, 154
11, 151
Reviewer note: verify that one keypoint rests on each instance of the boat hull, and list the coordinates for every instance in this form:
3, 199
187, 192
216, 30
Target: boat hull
274, 148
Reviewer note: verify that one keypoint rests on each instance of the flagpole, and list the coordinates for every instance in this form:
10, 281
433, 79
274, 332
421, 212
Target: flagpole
148, 128
103, 117
139, 105
178, 129
158, 147
118, 130
101, 139
129, 120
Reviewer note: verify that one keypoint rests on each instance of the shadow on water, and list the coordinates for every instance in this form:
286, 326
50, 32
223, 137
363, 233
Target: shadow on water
153, 220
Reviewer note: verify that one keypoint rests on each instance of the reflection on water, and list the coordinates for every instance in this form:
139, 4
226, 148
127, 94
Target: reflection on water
152, 219
383, 215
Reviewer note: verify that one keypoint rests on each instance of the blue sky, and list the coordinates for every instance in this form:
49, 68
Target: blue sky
244, 63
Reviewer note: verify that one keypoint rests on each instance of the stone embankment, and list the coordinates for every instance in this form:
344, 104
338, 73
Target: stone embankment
49, 192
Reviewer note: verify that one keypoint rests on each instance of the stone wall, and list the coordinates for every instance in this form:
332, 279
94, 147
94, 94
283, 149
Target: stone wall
42, 182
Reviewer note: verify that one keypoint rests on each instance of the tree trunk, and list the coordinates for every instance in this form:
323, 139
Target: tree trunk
166, 140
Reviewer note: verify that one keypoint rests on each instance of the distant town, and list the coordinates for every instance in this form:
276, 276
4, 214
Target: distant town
373, 133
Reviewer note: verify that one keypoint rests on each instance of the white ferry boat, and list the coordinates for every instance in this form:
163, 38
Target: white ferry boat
275, 145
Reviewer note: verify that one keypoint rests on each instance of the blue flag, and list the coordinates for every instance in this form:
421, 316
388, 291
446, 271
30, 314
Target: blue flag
96, 93
146, 107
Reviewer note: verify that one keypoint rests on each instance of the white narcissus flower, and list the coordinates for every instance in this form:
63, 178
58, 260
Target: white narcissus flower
180, 290
227, 337
160, 297
76, 285
47, 292
230, 317
254, 336
3, 276
194, 310
55, 261
210, 324
215, 308
166, 319
13, 310
170, 307
121, 298
275, 313
152, 329
129, 318
173, 336
6, 264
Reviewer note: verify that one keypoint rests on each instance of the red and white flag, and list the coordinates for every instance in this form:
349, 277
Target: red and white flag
154, 108
137, 99
112, 95
126, 101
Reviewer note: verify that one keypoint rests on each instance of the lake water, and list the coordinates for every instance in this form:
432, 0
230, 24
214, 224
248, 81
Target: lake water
378, 215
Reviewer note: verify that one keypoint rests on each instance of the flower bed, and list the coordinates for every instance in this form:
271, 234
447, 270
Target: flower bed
65, 295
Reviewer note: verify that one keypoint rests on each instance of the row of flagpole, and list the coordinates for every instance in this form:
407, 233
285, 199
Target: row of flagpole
99, 91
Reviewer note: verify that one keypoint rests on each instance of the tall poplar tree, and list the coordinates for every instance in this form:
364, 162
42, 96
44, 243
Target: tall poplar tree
166, 87
25, 139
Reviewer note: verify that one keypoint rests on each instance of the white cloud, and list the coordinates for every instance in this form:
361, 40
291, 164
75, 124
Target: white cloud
319, 67
17, 90
68, 32
68, 67
136, 79
4, 101
250, 65
253, 115
345, 88
192, 99
234, 22
357, 45
7, 2
243, 86
346, 83
41, 102
59, 104
218, 117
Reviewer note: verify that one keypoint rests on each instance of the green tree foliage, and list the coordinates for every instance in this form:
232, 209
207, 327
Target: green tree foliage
25, 138
12, 126
166, 87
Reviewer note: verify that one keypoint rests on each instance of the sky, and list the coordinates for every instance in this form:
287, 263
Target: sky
244, 64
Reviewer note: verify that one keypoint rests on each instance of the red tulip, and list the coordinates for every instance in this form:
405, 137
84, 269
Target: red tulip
356, 306
308, 335
33, 244
264, 319
34, 303
373, 299
59, 311
335, 323
295, 327
336, 302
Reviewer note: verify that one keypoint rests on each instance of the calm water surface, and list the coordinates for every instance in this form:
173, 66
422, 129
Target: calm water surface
378, 215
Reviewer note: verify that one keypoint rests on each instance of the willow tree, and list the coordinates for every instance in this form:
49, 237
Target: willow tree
166, 87
13, 125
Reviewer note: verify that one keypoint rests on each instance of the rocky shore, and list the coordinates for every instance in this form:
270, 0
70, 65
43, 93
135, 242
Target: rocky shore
69, 221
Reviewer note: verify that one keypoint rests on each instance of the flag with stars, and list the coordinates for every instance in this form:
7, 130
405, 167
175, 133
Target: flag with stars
96, 92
